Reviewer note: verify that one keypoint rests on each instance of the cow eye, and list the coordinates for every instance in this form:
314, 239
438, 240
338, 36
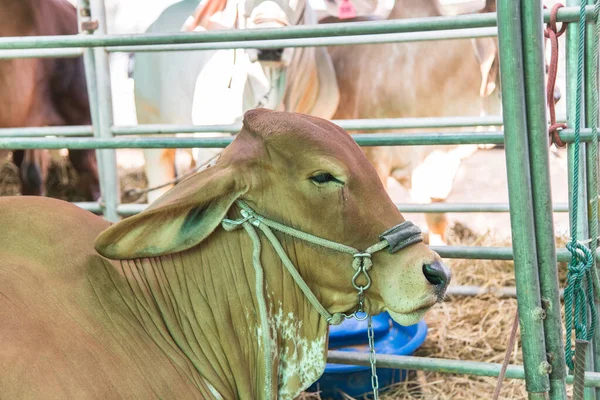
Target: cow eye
324, 177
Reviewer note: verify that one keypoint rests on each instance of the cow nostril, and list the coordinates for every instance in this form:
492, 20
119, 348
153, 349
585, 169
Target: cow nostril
436, 274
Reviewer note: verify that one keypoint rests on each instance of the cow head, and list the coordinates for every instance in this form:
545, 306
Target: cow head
306, 173
249, 14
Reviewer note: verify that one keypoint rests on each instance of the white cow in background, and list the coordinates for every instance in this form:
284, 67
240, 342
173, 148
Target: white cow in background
216, 87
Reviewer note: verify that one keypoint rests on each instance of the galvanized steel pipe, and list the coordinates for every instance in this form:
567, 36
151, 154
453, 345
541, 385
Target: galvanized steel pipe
318, 41
475, 368
510, 40
469, 21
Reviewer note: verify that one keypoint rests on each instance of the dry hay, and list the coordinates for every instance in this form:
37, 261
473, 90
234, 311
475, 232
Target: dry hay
467, 328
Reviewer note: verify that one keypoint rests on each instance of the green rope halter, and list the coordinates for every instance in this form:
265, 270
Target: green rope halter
397, 238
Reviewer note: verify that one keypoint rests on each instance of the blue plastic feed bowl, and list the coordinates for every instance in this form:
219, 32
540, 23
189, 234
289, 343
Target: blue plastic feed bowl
390, 338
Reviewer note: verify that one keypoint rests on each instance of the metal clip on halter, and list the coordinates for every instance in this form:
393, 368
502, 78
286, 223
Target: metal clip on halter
402, 235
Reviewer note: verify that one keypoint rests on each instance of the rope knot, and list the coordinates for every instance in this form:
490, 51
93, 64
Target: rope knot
336, 319
362, 260
551, 27
553, 132
233, 224
581, 257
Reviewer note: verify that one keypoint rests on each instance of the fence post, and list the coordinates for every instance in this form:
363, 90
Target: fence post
107, 160
572, 37
592, 163
520, 199
535, 95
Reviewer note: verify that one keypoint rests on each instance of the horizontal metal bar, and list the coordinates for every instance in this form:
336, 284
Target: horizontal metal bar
474, 252
163, 129
468, 21
319, 41
466, 207
131, 209
452, 252
41, 53
465, 290
113, 143
476, 368
373, 139
229, 35
348, 124
78, 130
491, 253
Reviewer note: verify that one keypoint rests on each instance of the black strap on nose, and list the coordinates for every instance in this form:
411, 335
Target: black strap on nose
401, 236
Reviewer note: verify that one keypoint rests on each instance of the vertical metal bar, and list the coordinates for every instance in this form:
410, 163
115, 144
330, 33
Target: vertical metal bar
533, 53
108, 159
89, 63
592, 164
571, 83
520, 198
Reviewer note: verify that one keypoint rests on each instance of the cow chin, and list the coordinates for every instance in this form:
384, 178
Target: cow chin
409, 318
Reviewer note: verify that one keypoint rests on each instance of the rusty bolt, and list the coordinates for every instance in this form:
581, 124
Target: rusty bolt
545, 368
539, 314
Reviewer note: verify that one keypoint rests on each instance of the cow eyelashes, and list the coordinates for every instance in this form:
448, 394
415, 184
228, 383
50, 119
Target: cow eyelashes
325, 177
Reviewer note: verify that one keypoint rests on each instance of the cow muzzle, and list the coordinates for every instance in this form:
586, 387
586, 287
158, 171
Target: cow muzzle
268, 14
271, 58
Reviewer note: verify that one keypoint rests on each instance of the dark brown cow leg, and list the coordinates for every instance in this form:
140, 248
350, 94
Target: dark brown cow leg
33, 170
84, 162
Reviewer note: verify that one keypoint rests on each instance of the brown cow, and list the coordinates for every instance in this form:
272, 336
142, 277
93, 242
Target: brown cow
43, 92
419, 79
176, 313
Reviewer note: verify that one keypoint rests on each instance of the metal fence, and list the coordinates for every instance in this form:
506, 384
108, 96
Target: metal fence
525, 138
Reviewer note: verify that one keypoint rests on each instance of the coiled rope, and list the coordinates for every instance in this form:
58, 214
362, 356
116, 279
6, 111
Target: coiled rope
582, 279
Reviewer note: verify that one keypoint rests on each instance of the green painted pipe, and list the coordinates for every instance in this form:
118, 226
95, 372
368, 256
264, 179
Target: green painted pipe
460, 252
348, 124
475, 368
537, 128
510, 41
468, 21
591, 89
318, 41
292, 32
79, 130
40, 53
572, 37
381, 139
466, 207
107, 159
406, 208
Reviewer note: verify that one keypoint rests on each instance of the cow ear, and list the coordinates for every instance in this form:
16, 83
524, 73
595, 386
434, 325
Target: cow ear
180, 219
486, 51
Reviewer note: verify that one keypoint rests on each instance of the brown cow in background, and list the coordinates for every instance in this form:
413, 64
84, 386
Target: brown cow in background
443, 78
44, 92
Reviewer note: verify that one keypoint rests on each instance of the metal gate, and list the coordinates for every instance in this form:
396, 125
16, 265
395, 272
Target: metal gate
525, 138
